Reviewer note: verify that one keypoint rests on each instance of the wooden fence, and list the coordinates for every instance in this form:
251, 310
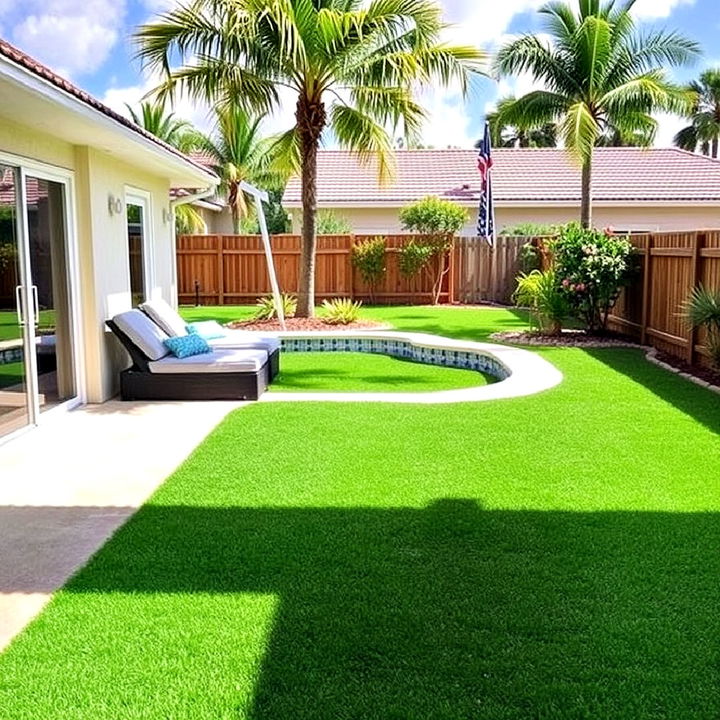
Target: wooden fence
231, 269
650, 310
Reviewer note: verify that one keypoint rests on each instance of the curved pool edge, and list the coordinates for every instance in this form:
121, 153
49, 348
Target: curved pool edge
528, 373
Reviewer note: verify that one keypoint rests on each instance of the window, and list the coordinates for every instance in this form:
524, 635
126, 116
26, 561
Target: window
138, 247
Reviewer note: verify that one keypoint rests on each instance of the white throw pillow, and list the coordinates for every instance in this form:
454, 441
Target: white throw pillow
168, 319
143, 332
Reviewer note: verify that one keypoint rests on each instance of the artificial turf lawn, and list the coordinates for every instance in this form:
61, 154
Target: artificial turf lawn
553, 556
362, 372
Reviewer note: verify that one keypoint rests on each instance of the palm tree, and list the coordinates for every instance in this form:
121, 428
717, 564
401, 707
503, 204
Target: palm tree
503, 135
238, 153
351, 66
598, 72
703, 133
153, 117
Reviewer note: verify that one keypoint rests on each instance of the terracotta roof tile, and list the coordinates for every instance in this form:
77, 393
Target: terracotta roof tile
623, 175
37, 68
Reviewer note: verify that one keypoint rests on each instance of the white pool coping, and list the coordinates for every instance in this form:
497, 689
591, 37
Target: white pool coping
529, 373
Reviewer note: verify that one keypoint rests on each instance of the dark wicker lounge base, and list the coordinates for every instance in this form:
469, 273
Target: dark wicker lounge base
138, 383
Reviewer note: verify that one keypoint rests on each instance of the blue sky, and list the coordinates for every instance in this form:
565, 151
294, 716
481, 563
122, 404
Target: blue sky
89, 42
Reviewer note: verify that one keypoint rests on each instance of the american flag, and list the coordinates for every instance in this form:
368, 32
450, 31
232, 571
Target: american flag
486, 216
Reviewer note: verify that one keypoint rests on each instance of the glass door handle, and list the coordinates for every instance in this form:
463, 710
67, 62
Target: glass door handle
19, 305
36, 305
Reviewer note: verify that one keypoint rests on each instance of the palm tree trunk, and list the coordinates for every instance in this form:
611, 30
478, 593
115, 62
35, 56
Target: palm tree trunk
586, 204
310, 117
715, 147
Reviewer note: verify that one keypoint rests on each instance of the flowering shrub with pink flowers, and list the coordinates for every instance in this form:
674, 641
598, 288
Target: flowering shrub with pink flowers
592, 267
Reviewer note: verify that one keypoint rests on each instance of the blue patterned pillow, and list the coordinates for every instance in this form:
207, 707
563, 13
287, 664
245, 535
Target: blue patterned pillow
209, 329
184, 346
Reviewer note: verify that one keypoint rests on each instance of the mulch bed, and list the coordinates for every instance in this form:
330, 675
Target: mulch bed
569, 338
302, 324
706, 374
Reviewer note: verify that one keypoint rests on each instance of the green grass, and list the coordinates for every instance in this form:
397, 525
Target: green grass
11, 374
361, 372
553, 556
10, 330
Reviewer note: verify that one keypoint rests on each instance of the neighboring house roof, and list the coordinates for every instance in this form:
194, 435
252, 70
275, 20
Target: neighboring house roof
27, 63
520, 176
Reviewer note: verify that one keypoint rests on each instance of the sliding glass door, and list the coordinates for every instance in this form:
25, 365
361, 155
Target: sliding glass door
38, 368
14, 341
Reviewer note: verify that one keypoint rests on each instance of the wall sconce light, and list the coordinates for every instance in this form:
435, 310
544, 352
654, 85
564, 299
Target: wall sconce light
115, 205
167, 215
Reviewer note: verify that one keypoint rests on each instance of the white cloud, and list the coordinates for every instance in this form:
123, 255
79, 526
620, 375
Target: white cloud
71, 36
118, 98
654, 9
668, 126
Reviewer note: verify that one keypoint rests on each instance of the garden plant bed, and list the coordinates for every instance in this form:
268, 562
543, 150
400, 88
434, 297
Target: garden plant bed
708, 375
302, 324
568, 338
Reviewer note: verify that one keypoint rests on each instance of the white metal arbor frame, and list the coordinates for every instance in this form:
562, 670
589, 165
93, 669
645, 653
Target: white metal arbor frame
258, 196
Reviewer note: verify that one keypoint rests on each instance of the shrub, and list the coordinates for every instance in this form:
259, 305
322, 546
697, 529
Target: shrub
437, 221
341, 311
702, 309
530, 229
8, 255
330, 223
368, 256
530, 258
266, 309
591, 267
413, 257
540, 292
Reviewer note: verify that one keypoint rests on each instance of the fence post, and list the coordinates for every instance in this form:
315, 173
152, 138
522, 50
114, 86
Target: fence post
220, 270
451, 273
351, 267
695, 279
647, 288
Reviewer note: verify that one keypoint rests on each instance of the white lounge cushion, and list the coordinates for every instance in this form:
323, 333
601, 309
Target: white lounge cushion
143, 332
219, 361
244, 339
166, 317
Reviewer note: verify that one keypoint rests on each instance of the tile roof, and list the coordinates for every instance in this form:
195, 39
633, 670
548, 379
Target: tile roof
622, 175
24, 60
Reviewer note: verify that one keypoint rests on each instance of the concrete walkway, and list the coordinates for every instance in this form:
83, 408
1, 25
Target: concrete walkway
66, 486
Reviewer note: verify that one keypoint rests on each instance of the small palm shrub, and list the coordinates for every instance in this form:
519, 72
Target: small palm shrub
368, 256
341, 311
540, 292
267, 310
702, 309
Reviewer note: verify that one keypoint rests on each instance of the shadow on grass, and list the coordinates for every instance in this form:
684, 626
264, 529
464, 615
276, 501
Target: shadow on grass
447, 612
699, 403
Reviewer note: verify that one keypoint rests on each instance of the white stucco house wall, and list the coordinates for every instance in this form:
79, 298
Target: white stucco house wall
86, 227
633, 188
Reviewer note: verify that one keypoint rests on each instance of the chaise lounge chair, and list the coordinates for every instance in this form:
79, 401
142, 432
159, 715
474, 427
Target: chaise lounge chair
171, 323
156, 374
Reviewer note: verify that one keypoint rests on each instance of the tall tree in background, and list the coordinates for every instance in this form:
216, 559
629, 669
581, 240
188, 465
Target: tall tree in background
510, 136
237, 152
154, 117
598, 72
352, 67
703, 133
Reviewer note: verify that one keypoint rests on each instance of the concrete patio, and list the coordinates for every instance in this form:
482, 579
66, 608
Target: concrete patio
66, 486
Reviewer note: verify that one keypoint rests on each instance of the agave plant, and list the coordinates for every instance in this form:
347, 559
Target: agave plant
341, 311
540, 292
702, 309
267, 309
